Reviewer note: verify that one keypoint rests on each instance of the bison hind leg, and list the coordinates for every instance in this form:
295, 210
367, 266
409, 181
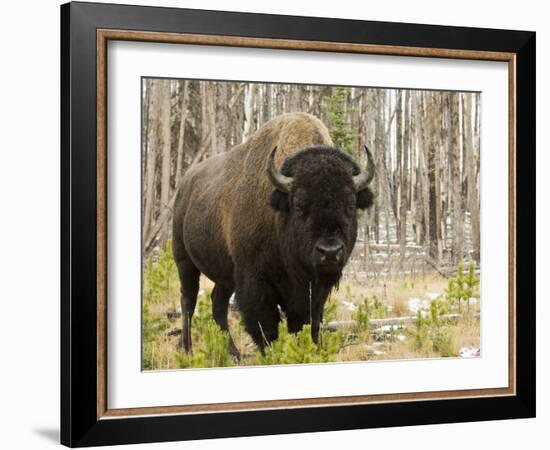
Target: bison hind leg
189, 279
220, 306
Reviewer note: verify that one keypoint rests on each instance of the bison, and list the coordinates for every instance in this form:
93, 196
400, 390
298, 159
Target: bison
274, 221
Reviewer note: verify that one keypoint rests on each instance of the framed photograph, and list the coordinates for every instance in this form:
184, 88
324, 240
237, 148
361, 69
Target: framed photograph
277, 224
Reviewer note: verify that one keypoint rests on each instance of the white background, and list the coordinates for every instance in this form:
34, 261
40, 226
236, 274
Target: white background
128, 387
29, 190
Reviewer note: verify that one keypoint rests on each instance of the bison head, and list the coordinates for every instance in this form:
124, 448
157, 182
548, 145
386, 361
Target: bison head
317, 192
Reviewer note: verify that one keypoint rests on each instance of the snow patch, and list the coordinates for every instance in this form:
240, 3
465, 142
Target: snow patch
469, 352
349, 305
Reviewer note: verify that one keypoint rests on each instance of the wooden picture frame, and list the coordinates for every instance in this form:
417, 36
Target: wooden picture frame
85, 416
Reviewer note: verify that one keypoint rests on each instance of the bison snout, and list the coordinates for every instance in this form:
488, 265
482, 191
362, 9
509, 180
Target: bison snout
329, 253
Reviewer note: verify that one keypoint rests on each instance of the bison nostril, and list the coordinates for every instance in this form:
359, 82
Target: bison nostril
330, 252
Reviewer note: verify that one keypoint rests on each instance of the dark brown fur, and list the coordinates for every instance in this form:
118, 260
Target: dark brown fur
233, 226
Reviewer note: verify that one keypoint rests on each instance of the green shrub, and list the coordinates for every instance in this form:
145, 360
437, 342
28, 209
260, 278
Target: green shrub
437, 309
160, 277
160, 287
361, 317
349, 293
471, 282
210, 343
444, 343
153, 328
299, 348
451, 293
340, 130
463, 287
369, 309
431, 333
378, 310
421, 332
202, 316
330, 345
211, 351
331, 308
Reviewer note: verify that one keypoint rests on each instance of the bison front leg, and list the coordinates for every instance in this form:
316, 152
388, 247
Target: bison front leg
296, 322
319, 295
257, 303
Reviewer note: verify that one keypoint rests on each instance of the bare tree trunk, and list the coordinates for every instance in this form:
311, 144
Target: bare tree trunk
419, 170
221, 99
152, 143
423, 209
398, 178
412, 164
236, 114
145, 122
295, 98
374, 118
458, 216
403, 137
249, 111
204, 122
393, 177
470, 157
166, 150
279, 98
436, 250
267, 104
184, 95
382, 143
211, 91
446, 169
423, 167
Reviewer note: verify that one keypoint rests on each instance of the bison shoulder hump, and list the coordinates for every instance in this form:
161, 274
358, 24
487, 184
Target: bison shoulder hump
299, 130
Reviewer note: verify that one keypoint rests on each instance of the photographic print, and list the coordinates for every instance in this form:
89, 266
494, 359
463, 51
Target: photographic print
294, 223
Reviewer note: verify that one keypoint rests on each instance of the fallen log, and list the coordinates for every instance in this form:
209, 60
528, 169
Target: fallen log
173, 332
373, 323
173, 315
378, 323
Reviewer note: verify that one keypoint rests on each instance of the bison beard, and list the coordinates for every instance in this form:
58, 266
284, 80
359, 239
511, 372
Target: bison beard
278, 238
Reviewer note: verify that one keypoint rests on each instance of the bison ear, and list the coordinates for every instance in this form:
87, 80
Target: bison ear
365, 199
279, 201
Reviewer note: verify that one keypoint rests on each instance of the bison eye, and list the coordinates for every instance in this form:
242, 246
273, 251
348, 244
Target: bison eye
350, 209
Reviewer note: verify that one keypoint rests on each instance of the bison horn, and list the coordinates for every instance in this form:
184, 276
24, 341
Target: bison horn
362, 180
280, 181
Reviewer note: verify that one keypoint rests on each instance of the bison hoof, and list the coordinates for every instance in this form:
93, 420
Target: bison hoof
181, 347
235, 355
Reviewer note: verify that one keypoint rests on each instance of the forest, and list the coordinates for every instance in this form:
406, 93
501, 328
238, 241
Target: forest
418, 241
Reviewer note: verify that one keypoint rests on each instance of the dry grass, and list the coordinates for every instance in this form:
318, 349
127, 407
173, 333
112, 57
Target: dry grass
463, 333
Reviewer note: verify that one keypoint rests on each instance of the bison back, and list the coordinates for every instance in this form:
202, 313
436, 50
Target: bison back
223, 219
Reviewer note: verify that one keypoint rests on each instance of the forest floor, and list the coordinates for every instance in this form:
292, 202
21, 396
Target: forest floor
426, 325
